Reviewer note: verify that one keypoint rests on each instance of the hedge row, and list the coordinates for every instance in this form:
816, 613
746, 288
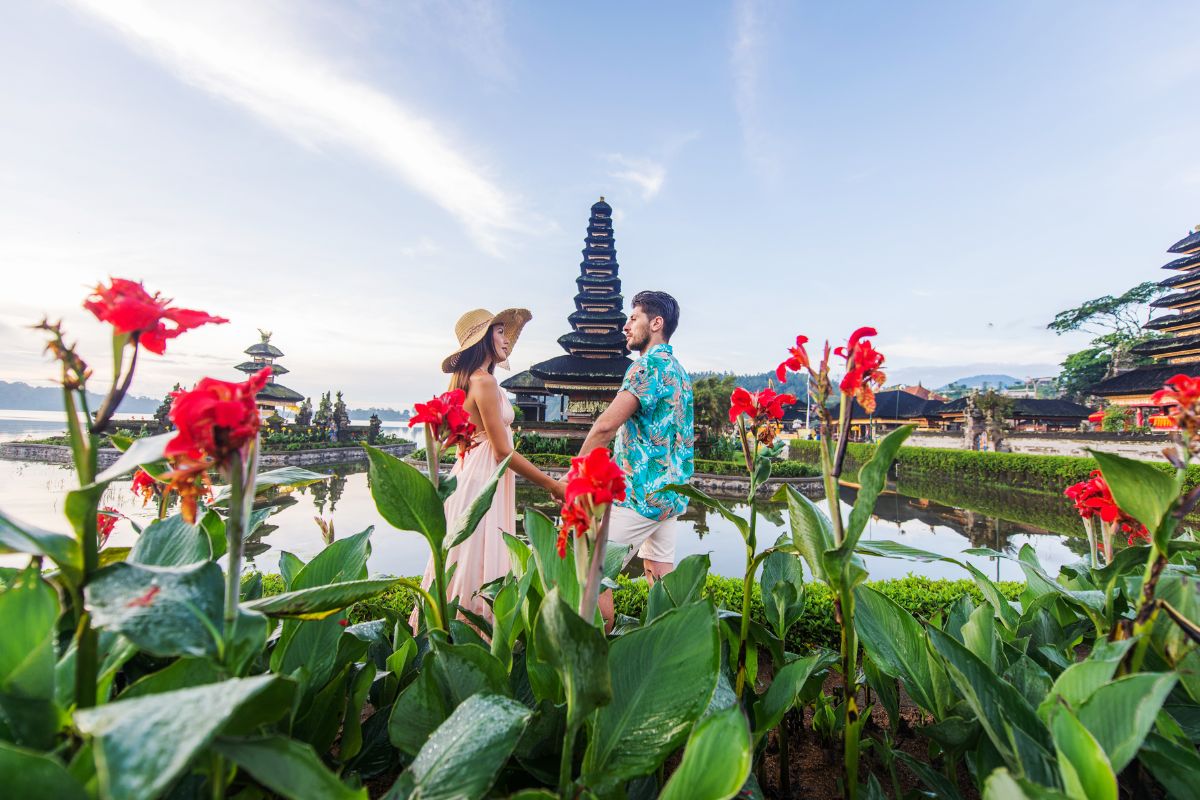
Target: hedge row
921, 596
1047, 473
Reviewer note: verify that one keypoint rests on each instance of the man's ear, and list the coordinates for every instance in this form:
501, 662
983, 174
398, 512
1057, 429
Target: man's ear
656, 324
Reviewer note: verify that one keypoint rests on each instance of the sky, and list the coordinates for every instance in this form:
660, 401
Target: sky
354, 175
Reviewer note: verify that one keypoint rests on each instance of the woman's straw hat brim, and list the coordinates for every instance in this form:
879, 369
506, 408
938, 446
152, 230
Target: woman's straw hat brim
474, 325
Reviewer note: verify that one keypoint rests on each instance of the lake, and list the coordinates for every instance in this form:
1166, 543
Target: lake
33, 492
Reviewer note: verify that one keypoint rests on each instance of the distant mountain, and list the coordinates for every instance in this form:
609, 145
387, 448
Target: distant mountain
23, 397
758, 381
385, 414
984, 381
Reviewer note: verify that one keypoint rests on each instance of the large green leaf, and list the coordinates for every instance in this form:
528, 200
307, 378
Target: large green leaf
663, 677
1121, 713
272, 479
286, 767
579, 654
1077, 683
166, 611
1001, 785
812, 532
552, 570
1086, 771
29, 608
716, 761
1174, 765
146, 450
465, 754
182, 673
692, 493
142, 745
785, 687
418, 711
782, 582
680, 586
871, 479
171, 542
26, 773
405, 497
462, 528
63, 550
344, 560
1010, 722
896, 642
999, 603
321, 601
1140, 489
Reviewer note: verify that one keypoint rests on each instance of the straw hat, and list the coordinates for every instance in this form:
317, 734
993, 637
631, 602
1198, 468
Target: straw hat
474, 325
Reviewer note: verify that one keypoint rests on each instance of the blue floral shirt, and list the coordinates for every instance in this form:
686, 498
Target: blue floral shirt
654, 446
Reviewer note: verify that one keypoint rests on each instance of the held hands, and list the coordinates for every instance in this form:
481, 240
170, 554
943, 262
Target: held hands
558, 489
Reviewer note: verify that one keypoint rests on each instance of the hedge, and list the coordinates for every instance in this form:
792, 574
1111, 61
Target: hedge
923, 597
1048, 473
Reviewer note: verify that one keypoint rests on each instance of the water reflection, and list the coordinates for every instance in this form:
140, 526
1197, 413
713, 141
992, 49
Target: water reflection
305, 519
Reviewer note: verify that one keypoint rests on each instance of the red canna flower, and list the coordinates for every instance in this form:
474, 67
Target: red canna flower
863, 375
447, 420
216, 418
1139, 534
761, 406
143, 485
1093, 498
575, 519
190, 480
798, 361
594, 476
129, 308
1180, 391
106, 520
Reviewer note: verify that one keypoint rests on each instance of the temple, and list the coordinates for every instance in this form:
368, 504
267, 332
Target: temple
1176, 352
274, 396
590, 373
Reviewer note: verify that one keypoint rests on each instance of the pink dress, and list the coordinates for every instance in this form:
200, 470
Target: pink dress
483, 557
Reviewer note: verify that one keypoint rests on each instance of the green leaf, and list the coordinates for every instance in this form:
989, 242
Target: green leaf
680, 586
812, 532
663, 677
289, 567
1140, 489
552, 570
716, 761
25, 773
1175, 766
171, 542
166, 611
890, 549
691, 492
939, 783
1001, 785
466, 524
896, 642
418, 711
286, 767
272, 479
1086, 772
1077, 683
214, 527
63, 550
579, 654
142, 745
465, 754
871, 479
29, 608
147, 450
886, 688
785, 688
782, 582
1120, 714
352, 727
344, 560
183, 673
405, 497
321, 601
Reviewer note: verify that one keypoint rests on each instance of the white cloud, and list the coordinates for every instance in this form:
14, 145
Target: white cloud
257, 56
748, 62
647, 175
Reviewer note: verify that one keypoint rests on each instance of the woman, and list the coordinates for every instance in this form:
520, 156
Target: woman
485, 341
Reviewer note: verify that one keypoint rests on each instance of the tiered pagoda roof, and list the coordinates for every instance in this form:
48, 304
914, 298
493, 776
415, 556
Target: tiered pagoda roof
1179, 350
596, 356
263, 354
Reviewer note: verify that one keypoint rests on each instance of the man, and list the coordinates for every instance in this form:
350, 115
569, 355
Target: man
651, 417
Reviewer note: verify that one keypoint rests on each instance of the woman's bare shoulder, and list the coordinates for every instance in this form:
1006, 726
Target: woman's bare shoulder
482, 379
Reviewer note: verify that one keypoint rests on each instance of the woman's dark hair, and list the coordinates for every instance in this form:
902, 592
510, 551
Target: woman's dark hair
474, 357
659, 304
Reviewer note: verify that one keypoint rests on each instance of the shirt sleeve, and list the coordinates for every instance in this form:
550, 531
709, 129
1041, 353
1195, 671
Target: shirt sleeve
643, 382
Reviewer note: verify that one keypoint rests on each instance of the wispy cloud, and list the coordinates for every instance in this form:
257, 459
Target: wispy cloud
254, 55
647, 175
748, 60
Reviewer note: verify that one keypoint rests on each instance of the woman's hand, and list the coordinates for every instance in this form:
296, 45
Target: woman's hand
558, 488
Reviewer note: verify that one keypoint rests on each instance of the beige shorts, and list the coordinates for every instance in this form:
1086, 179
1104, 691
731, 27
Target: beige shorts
651, 539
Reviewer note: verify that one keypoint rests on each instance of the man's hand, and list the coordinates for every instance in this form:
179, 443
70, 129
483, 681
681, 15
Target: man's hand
559, 489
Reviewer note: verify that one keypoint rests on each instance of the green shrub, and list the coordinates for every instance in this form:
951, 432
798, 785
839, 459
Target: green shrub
783, 469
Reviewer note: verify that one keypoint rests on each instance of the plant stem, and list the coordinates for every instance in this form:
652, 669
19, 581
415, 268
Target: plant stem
844, 609
234, 529
87, 658
433, 456
109, 407
591, 590
747, 586
567, 762
785, 775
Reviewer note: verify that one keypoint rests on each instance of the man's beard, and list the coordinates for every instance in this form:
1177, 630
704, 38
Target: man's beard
639, 346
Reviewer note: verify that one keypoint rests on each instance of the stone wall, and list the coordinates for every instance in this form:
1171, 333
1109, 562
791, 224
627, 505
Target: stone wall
1147, 447
939, 439
61, 454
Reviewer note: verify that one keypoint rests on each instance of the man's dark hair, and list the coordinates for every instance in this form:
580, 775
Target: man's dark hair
659, 304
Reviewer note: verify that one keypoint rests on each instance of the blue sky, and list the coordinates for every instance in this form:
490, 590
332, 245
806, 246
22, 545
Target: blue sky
354, 175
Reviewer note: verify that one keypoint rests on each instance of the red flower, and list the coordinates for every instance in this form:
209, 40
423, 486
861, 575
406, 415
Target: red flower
447, 420
1140, 534
190, 479
574, 519
863, 375
760, 406
143, 485
216, 418
106, 520
1093, 498
595, 476
799, 360
129, 308
1182, 390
